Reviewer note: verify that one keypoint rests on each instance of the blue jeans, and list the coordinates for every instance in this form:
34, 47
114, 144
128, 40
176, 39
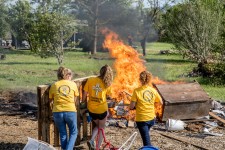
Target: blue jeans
144, 129
62, 119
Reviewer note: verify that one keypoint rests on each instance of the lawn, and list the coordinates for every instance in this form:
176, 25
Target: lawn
22, 70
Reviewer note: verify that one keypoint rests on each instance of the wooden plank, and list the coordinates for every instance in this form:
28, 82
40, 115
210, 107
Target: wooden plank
39, 93
51, 127
198, 120
56, 136
51, 135
193, 96
78, 121
186, 110
47, 115
216, 117
187, 92
47, 131
78, 114
183, 87
80, 84
85, 127
182, 139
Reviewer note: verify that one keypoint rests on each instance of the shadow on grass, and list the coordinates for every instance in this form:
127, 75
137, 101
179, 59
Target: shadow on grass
12, 146
209, 81
27, 63
168, 60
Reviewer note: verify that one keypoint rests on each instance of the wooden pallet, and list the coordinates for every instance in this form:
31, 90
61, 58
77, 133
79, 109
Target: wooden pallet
47, 130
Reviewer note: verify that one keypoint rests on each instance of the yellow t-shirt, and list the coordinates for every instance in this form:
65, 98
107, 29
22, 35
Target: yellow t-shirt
145, 97
97, 95
63, 93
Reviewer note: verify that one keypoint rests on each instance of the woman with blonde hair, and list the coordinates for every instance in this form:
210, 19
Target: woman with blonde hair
98, 88
63, 94
143, 99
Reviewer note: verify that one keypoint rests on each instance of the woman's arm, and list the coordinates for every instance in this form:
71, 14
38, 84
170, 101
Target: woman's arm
132, 105
51, 103
84, 100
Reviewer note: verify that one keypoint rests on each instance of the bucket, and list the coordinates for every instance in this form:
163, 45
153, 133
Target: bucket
174, 125
34, 144
149, 148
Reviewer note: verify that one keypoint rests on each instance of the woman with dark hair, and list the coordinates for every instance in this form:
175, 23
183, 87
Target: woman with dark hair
63, 93
98, 88
143, 99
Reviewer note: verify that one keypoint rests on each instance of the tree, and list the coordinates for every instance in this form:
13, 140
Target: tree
99, 13
49, 30
194, 28
4, 26
19, 19
150, 18
92, 11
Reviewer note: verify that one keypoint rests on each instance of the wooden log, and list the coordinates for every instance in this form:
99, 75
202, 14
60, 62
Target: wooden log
182, 140
216, 117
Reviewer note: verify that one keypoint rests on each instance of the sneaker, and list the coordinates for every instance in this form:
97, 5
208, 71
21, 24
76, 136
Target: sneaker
91, 145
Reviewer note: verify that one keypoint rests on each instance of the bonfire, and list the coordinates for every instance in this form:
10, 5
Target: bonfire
128, 65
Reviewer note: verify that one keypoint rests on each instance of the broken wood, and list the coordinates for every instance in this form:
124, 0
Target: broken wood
197, 120
212, 126
127, 93
216, 117
182, 140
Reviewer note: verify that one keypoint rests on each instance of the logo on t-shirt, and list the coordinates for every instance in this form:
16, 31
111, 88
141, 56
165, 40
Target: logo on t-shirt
64, 90
97, 89
147, 96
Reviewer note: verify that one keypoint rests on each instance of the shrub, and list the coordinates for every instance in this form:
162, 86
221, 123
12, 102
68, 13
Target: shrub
214, 71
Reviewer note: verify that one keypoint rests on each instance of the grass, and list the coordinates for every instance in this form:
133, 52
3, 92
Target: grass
173, 67
22, 70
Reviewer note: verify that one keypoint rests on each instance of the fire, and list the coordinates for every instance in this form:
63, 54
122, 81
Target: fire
128, 66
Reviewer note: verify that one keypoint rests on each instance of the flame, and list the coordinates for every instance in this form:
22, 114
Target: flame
128, 66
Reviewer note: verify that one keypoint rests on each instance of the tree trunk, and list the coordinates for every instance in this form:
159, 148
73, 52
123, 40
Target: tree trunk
95, 39
14, 41
143, 45
94, 50
60, 58
1, 41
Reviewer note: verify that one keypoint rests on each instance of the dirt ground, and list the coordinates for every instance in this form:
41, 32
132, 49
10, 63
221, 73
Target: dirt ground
18, 121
